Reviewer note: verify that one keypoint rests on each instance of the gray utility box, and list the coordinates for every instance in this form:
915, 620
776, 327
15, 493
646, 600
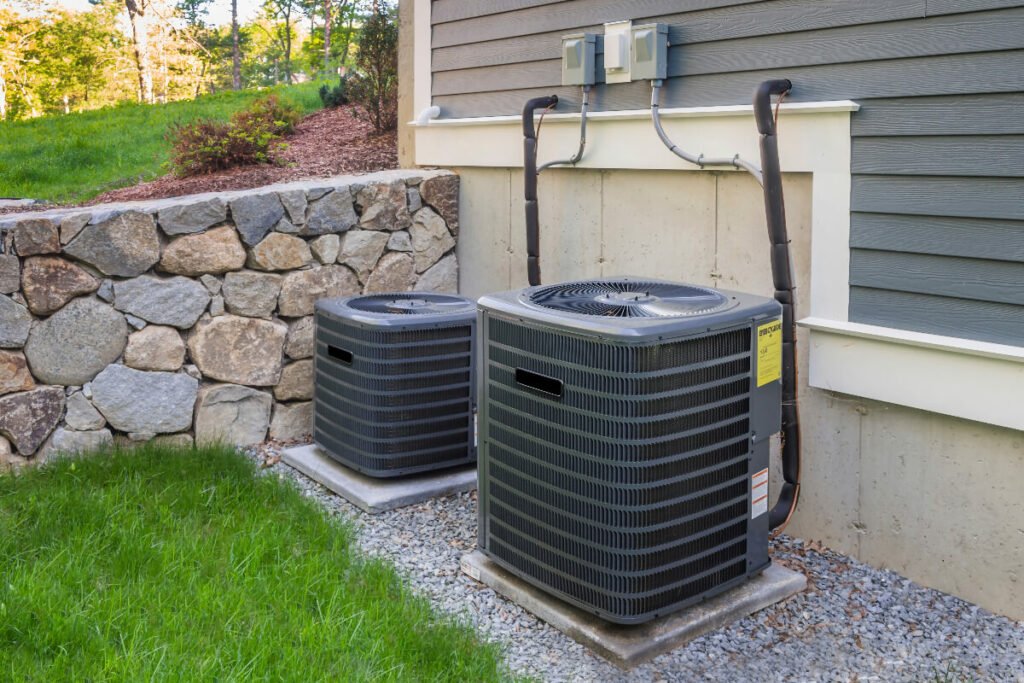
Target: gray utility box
624, 440
395, 389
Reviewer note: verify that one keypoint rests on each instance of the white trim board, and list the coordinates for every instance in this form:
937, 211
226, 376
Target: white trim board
959, 377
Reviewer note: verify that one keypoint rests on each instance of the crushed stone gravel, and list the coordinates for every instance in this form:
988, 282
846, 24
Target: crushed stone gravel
853, 623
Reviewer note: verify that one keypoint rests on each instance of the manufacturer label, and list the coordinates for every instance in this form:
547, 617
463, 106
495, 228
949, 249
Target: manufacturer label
769, 352
759, 494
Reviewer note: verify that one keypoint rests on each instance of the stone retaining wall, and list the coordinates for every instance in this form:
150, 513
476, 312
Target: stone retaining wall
190, 319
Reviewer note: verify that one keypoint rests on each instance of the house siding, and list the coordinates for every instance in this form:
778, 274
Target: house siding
937, 225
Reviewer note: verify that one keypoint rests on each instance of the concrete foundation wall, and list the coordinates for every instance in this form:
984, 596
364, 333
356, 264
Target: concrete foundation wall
934, 498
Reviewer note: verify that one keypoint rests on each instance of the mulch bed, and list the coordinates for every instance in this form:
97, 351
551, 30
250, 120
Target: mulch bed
326, 143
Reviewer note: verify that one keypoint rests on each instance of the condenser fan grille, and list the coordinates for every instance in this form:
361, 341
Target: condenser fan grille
411, 303
629, 299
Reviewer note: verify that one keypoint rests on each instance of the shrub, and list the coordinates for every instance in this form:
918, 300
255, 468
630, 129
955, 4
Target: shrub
336, 96
375, 87
252, 136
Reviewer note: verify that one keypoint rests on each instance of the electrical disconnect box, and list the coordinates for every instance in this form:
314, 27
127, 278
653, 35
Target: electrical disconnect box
649, 53
579, 64
616, 51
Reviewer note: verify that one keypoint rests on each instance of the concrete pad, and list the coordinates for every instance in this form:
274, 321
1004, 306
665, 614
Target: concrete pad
377, 495
629, 646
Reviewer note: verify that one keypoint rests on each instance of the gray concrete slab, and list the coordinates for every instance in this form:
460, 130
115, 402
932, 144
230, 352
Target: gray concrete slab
377, 495
628, 646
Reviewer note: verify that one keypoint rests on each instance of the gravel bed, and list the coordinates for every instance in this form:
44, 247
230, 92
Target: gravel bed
853, 623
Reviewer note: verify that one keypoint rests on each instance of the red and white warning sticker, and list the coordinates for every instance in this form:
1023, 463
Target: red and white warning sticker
759, 494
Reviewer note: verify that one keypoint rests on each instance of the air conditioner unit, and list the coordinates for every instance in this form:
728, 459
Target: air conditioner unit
625, 428
395, 391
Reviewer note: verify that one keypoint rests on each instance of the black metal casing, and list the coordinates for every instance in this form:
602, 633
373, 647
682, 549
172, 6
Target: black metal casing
618, 455
395, 393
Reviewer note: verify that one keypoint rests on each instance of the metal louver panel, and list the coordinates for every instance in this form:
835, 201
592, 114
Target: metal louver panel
615, 473
394, 390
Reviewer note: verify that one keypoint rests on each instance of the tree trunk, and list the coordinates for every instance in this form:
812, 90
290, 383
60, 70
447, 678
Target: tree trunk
140, 40
327, 35
236, 55
3, 94
288, 46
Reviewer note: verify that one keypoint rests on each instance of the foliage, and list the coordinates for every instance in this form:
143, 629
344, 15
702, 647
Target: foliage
186, 565
335, 96
374, 88
251, 137
75, 157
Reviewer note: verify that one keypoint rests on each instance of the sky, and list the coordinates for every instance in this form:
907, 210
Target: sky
219, 14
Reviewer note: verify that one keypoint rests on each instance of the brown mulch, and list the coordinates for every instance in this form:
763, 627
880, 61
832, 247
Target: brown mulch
326, 143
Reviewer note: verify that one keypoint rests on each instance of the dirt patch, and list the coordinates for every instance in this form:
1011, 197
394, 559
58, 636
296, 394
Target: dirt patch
326, 143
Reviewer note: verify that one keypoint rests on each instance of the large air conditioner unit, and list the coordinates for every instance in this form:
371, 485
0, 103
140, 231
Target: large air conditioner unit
624, 440
395, 390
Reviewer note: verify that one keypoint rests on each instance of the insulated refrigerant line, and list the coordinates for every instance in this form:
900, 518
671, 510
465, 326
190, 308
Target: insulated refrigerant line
531, 171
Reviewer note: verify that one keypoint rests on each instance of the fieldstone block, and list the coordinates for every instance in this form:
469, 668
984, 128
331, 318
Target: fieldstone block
81, 415
292, 421
280, 252
35, 236
106, 291
296, 382
414, 200
15, 322
385, 206
255, 214
49, 282
301, 289
69, 442
294, 203
217, 306
251, 294
150, 402
333, 213
181, 219
212, 283
14, 374
286, 226
125, 245
155, 347
76, 342
300, 342
361, 249
214, 251
175, 301
400, 241
239, 350
27, 418
430, 238
443, 276
71, 225
10, 273
136, 323
442, 193
232, 414
394, 273
326, 247
180, 440
9, 461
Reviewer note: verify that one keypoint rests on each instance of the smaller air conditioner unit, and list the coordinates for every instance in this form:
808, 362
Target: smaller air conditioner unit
394, 390
625, 426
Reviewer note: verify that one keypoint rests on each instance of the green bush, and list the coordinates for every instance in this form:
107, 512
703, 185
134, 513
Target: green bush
252, 136
336, 96
374, 88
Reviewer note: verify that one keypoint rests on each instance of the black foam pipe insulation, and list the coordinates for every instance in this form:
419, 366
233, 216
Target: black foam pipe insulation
530, 185
782, 276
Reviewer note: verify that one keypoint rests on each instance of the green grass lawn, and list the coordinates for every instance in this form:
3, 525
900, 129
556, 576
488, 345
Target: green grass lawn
158, 564
78, 156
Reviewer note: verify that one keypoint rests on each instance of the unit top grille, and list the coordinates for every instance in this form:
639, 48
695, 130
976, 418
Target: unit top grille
624, 298
410, 303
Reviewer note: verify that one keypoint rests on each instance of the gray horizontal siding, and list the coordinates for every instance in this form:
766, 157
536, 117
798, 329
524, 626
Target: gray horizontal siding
938, 149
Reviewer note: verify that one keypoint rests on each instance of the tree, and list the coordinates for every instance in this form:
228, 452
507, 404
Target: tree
283, 10
236, 53
139, 17
375, 88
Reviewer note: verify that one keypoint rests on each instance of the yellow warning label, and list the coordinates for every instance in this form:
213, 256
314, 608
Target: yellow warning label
769, 352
